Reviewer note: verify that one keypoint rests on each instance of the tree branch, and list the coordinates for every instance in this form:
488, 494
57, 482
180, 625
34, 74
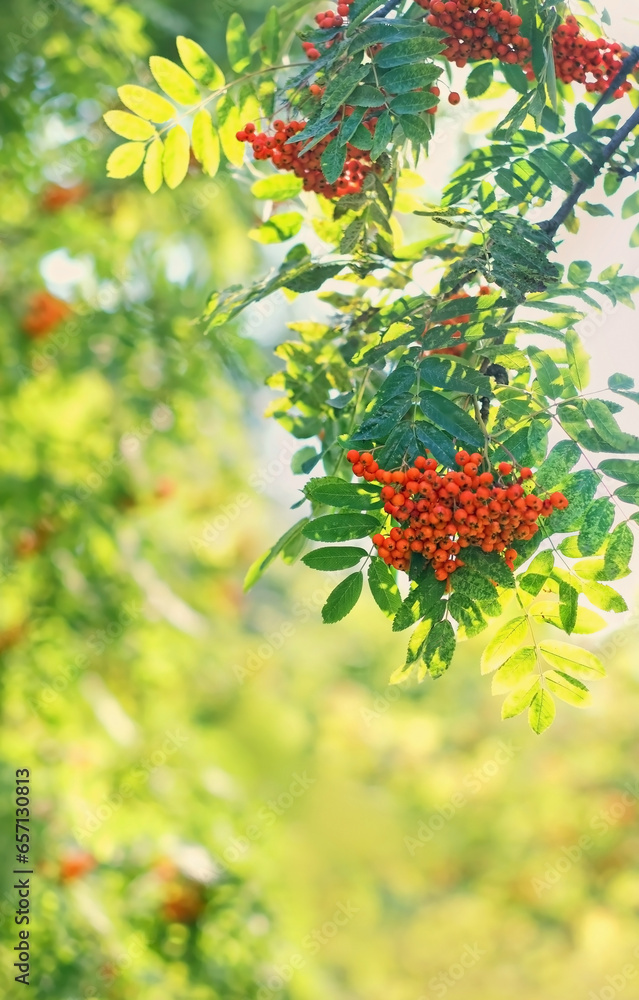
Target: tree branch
625, 69
551, 226
383, 11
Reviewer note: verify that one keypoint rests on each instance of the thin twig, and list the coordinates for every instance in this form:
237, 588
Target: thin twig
551, 226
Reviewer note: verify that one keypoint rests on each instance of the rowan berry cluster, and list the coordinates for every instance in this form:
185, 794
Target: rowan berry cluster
329, 20
593, 62
479, 29
287, 155
442, 512
45, 313
457, 349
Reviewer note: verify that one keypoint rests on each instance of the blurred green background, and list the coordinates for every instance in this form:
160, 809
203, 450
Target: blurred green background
228, 800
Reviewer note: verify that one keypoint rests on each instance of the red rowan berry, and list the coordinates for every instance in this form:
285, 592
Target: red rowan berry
453, 97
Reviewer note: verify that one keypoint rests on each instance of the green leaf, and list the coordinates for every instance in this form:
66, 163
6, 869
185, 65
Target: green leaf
152, 172
624, 469
541, 713
343, 599
519, 700
578, 360
172, 79
336, 492
440, 648
560, 461
228, 122
341, 527
206, 142
408, 52
604, 597
270, 38
278, 187
451, 418
537, 573
568, 606
415, 129
595, 210
618, 553
408, 612
570, 690
199, 63
278, 228
333, 557
597, 523
177, 152
128, 126
340, 87
381, 580
404, 78
628, 494
365, 96
382, 137
630, 206
146, 103
446, 373
125, 159
237, 43
566, 657
412, 103
503, 644
516, 671
332, 160
606, 426
261, 564
479, 79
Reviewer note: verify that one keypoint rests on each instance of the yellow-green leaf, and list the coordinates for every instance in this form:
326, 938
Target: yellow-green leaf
206, 143
237, 43
278, 228
125, 159
519, 700
564, 656
152, 171
199, 63
177, 84
228, 120
145, 103
587, 621
503, 644
541, 713
128, 126
278, 187
568, 689
516, 671
175, 161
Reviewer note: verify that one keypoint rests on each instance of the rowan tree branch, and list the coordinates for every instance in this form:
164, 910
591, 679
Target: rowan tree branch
625, 69
551, 226
383, 11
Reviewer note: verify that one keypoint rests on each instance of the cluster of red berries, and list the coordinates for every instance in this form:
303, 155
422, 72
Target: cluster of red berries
328, 19
594, 62
288, 156
479, 29
441, 513
45, 313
